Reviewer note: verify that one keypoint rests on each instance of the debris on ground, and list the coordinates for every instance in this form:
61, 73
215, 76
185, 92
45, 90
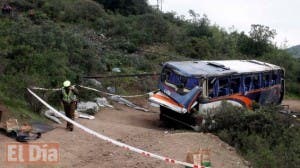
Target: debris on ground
111, 89
21, 133
201, 158
40, 127
89, 107
26, 128
11, 125
121, 100
27, 136
102, 102
52, 116
82, 115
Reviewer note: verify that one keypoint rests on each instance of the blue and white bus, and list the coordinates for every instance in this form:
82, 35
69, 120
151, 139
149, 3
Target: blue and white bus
191, 87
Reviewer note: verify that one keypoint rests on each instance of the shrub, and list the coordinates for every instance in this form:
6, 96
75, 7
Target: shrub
264, 137
126, 7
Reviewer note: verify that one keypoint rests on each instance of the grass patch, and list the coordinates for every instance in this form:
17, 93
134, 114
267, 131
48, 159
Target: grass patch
20, 110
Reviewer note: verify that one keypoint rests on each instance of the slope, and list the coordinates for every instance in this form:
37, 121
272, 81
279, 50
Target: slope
295, 51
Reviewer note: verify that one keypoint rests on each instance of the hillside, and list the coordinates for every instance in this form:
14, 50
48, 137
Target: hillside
44, 42
294, 51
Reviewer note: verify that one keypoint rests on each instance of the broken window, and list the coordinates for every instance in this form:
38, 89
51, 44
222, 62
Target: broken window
266, 80
165, 75
235, 84
191, 83
178, 82
211, 87
275, 78
218, 87
224, 88
256, 83
248, 83
174, 79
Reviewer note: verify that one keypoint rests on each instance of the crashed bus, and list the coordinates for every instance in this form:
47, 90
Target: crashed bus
190, 90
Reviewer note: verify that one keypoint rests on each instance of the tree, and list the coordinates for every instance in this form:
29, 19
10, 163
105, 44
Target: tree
261, 33
126, 7
259, 41
199, 26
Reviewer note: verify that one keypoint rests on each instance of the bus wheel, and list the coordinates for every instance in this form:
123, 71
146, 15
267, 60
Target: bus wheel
163, 110
163, 116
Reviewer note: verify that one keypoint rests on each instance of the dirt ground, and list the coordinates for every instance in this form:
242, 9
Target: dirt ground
136, 128
293, 104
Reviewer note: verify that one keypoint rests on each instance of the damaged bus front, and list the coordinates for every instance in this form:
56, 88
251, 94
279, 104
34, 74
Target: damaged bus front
191, 90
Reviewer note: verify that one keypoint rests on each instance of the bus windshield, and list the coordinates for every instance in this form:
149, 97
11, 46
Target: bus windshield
178, 82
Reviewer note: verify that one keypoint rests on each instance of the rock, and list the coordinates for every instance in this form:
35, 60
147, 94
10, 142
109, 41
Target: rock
111, 89
95, 83
116, 70
88, 107
102, 102
247, 163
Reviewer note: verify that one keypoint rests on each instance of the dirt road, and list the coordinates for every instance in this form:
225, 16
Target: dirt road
293, 104
136, 128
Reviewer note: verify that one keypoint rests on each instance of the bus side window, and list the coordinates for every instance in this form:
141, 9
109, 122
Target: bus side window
266, 80
224, 88
211, 87
275, 78
248, 83
235, 84
256, 82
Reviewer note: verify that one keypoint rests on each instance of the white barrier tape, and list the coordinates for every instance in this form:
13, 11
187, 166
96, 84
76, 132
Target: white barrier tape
93, 89
38, 88
110, 94
120, 144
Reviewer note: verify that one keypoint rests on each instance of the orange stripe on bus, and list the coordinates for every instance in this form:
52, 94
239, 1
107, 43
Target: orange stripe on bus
165, 98
246, 100
238, 96
263, 89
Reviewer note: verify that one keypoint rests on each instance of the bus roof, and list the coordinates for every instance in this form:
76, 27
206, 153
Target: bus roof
220, 67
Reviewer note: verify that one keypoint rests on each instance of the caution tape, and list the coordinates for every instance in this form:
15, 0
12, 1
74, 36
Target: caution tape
110, 140
110, 94
45, 89
96, 90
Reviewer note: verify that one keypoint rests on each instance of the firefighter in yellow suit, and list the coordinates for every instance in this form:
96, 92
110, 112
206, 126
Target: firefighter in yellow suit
69, 100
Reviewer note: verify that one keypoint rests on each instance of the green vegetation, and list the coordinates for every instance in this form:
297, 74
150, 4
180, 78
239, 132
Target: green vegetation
44, 42
294, 51
265, 138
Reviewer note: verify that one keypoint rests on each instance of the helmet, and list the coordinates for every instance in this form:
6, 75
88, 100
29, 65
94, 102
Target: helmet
67, 83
